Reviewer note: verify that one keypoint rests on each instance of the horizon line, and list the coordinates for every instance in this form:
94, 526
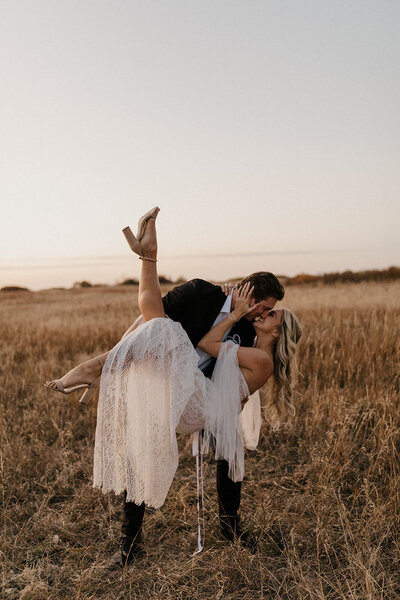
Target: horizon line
122, 257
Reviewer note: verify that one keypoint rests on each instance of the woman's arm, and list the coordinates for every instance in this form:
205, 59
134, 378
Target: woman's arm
255, 364
211, 342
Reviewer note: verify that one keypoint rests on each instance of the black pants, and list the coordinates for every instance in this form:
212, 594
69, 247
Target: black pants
228, 502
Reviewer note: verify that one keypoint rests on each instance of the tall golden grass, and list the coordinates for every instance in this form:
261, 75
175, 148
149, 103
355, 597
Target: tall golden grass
323, 496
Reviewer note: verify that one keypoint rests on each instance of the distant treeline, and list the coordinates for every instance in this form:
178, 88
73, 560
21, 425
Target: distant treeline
13, 288
162, 279
384, 275
87, 284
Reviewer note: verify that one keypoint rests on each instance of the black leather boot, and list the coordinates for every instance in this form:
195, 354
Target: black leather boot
231, 531
131, 538
129, 547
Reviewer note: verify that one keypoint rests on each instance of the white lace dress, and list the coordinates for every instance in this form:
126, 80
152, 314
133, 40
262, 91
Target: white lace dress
150, 389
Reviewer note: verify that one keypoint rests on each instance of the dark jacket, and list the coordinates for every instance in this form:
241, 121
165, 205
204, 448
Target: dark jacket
196, 304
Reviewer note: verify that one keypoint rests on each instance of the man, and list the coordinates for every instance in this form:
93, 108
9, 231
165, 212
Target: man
199, 305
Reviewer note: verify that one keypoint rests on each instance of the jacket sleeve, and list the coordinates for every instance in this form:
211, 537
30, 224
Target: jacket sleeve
180, 298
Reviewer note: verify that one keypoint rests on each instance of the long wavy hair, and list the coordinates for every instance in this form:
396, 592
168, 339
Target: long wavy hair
281, 407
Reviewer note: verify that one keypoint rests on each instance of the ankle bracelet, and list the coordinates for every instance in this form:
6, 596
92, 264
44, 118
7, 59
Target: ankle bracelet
148, 258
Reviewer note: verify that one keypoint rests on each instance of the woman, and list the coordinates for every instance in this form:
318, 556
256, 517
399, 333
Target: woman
151, 386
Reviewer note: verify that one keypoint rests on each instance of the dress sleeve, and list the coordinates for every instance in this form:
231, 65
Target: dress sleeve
222, 411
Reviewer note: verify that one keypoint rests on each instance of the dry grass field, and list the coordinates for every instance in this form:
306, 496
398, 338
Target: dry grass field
323, 496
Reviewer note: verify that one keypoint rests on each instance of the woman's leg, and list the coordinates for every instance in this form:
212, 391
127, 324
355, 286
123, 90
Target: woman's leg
150, 301
85, 372
150, 305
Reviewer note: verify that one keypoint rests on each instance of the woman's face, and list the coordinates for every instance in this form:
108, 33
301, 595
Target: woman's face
270, 323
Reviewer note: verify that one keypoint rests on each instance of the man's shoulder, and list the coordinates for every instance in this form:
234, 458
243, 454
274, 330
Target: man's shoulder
195, 304
194, 289
205, 289
202, 284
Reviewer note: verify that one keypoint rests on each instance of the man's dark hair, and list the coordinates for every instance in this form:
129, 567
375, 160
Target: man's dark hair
265, 285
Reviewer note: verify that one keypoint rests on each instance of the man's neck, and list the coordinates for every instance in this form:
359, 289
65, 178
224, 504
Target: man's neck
234, 292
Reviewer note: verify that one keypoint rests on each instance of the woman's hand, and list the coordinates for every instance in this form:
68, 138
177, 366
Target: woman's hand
227, 288
243, 304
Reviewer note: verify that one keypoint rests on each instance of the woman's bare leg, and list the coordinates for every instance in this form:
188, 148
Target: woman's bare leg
150, 305
150, 302
85, 372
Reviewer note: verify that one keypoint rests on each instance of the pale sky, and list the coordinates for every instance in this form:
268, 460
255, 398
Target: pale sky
267, 132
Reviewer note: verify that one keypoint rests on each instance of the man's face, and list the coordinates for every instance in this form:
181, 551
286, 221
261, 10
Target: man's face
262, 308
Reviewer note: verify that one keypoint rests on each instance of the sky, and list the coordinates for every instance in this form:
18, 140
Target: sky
266, 131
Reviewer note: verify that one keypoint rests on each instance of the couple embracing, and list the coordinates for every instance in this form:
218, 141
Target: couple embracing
180, 368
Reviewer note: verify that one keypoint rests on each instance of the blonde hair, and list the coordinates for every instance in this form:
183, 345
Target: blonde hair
281, 407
